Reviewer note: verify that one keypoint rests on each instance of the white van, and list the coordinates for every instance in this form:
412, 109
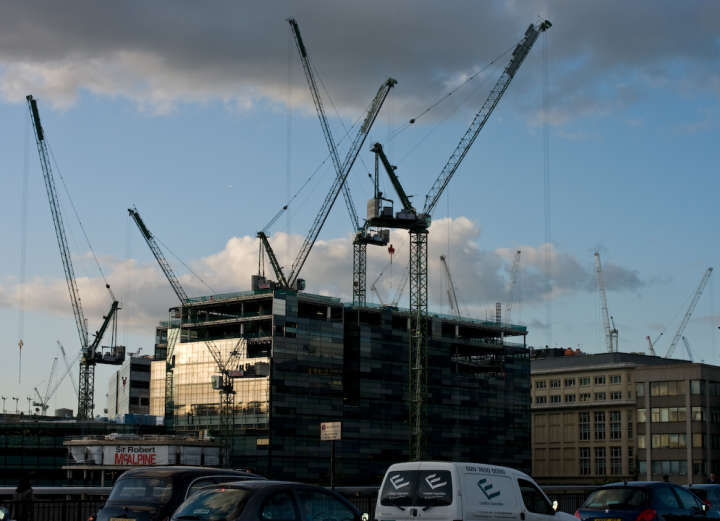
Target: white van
442, 491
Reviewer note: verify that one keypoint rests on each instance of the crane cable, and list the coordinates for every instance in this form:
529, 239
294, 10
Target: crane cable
72, 204
413, 120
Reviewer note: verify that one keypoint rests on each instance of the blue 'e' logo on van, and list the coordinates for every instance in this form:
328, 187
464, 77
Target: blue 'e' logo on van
486, 488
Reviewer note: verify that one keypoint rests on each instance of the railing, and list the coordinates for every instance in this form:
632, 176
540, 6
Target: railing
61, 509
223, 296
492, 323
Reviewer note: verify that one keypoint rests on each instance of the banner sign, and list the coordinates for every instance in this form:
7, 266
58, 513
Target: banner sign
330, 431
135, 455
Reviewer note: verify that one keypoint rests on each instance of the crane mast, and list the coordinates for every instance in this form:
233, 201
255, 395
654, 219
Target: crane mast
90, 355
690, 309
610, 333
651, 349
511, 285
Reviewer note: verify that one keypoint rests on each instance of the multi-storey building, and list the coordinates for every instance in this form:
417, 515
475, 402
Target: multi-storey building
585, 417
129, 387
310, 359
678, 421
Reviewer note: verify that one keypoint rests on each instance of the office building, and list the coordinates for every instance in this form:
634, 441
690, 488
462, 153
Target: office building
308, 359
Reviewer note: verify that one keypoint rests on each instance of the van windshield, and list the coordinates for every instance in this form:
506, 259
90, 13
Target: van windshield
424, 488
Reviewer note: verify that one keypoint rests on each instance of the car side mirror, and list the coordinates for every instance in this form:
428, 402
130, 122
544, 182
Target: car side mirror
555, 505
704, 507
4, 514
365, 516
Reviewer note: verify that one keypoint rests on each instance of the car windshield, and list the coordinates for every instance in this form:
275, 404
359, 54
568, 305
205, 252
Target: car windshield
214, 504
141, 490
616, 498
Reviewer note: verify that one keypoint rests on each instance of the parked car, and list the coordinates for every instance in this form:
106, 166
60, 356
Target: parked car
644, 501
710, 494
153, 493
266, 501
444, 491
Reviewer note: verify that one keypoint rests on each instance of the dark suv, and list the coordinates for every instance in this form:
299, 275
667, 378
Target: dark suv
644, 501
153, 493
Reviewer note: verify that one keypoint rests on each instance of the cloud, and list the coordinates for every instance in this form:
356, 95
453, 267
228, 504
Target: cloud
602, 56
480, 275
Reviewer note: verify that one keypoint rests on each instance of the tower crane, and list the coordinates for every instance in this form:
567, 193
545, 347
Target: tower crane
452, 295
292, 281
511, 285
50, 392
611, 335
687, 348
690, 309
91, 352
418, 225
227, 368
363, 236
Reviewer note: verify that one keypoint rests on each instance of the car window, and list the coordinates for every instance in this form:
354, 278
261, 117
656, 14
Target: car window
689, 501
197, 485
666, 497
279, 507
534, 499
214, 504
700, 492
607, 498
321, 506
142, 490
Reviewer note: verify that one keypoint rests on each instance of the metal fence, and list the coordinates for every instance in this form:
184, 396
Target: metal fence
61, 509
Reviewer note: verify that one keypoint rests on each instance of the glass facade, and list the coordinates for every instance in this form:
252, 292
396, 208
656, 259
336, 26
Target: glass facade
350, 364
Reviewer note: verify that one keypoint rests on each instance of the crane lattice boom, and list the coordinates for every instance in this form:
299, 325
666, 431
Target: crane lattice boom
452, 296
690, 309
511, 285
519, 54
339, 180
307, 67
610, 334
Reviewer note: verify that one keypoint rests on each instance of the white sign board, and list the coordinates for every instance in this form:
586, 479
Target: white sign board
135, 455
330, 431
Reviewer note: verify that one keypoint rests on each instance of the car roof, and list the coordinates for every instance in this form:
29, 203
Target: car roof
181, 472
702, 485
645, 484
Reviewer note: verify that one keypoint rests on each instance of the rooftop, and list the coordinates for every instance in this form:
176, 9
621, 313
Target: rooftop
596, 361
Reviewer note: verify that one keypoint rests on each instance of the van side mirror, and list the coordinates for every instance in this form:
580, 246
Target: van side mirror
555, 505
365, 516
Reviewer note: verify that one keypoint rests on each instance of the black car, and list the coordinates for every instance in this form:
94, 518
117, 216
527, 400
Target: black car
153, 493
266, 501
644, 501
710, 494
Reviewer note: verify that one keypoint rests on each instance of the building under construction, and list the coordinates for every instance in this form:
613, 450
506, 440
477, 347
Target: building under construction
308, 359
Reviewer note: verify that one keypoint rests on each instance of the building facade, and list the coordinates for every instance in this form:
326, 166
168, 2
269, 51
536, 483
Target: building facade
678, 422
129, 387
308, 359
585, 416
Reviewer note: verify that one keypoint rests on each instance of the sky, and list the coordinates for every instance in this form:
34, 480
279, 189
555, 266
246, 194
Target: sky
200, 116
